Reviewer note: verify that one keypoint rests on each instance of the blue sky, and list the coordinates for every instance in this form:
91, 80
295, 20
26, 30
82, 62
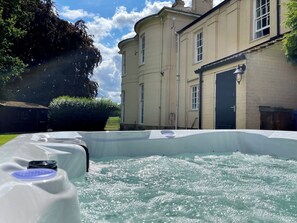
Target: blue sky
110, 21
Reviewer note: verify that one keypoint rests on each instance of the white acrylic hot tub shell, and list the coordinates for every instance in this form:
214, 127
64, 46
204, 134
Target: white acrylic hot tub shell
145, 143
51, 200
55, 199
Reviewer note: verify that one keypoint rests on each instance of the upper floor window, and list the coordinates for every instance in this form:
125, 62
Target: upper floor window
194, 92
199, 47
142, 48
124, 66
262, 18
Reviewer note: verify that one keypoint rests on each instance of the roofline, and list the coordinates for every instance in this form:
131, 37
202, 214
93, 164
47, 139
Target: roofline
154, 16
204, 15
221, 62
125, 41
20, 104
237, 56
165, 8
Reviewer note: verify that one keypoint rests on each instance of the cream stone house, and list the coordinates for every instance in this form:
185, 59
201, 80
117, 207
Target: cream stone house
207, 68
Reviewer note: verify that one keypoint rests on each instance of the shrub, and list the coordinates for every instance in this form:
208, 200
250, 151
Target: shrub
83, 114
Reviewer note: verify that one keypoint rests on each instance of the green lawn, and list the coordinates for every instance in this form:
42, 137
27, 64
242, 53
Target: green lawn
6, 137
113, 124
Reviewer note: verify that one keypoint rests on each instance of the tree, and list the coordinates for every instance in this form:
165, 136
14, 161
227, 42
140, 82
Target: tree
13, 19
61, 58
290, 40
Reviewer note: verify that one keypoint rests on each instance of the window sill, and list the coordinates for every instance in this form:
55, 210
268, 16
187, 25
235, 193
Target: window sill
198, 62
260, 38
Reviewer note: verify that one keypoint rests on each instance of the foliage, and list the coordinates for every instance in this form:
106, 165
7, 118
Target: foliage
117, 111
14, 16
70, 113
290, 40
61, 58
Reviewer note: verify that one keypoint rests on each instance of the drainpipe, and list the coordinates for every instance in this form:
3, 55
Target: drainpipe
200, 101
177, 78
161, 74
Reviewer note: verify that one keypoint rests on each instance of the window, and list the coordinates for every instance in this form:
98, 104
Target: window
141, 104
199, 47
124, 68
123, 107
142, 48
262, 18
194, 90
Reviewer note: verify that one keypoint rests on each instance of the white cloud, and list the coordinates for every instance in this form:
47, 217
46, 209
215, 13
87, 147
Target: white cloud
128, 35
108, 73
75, 14
188, 3
101, 27
216, 2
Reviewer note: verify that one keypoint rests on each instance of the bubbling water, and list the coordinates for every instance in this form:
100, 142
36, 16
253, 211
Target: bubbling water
190, 188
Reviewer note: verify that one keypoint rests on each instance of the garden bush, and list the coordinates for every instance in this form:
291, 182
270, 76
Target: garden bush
79, 114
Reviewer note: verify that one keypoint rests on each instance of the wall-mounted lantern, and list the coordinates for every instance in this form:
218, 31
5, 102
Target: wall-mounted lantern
239, 72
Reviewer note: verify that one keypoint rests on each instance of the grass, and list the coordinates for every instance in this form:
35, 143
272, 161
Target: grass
6, 137
113, 124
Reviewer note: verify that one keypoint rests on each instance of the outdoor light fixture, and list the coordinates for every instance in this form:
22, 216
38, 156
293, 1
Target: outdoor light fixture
239, 72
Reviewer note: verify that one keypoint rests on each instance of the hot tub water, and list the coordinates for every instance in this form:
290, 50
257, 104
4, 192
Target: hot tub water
227, 187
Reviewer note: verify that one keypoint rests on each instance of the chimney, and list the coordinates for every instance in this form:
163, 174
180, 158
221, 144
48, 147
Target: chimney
201, 6
178, 4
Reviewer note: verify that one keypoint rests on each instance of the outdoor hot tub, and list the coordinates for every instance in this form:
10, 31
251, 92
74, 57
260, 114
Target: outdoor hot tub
37, 171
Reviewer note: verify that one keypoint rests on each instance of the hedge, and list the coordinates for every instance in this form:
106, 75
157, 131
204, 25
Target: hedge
79, 114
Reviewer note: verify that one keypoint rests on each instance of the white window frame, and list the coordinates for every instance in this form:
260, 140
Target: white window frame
141, 103
198, 47
124, 64
123, 99
261, 18
194, 97
142, 49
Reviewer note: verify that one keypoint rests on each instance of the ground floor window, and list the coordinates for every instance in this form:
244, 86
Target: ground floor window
123, 107
141, 103
194, 97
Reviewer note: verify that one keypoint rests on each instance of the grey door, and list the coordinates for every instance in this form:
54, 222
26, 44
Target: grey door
226, 100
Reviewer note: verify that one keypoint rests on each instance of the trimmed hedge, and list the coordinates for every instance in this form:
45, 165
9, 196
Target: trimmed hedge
79, 114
